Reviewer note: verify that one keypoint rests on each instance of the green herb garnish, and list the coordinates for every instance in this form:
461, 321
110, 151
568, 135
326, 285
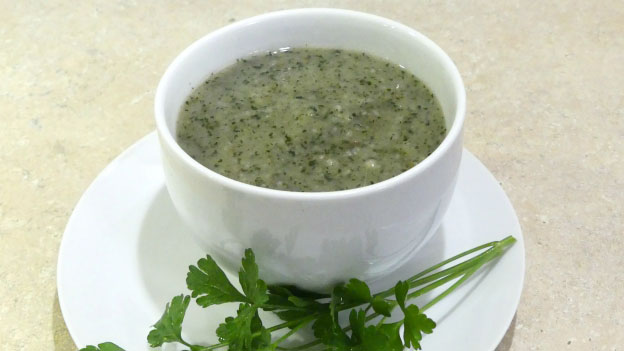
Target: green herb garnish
367, 329
106, 346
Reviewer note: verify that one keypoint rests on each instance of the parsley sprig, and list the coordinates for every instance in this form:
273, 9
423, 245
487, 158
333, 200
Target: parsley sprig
367, 330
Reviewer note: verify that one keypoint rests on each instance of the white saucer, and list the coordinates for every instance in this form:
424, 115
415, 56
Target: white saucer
125, 254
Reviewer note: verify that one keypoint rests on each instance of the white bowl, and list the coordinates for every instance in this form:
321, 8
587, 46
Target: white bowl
313, 240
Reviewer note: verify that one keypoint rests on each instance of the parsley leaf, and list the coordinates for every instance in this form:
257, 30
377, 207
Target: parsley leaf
299, 302
392, 332
357, 321
169, 327
357, 291
415, 324
255, 289
290, 290
373, 338
281, 296
326, 327
329, 332
381, 306
106, 346
292, 315
277, 303
239, 331
279, 290
400, 292
210, 285
263, 341
290, 303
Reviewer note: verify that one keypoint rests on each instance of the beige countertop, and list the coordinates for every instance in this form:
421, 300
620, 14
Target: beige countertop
545, 85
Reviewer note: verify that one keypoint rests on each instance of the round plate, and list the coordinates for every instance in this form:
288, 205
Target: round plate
125, 254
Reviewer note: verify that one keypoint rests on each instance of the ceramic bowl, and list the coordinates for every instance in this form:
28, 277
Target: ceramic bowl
316, 239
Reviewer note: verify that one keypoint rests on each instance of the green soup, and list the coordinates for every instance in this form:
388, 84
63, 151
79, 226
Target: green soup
311, 120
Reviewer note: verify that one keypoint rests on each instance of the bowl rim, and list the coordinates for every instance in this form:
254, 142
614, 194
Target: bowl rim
166, 137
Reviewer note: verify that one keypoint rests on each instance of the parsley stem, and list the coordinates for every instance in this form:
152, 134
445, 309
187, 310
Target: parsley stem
212, 347
434, 285
280, 307
459, 282
449, 260
468, 267
302, 347
290, 323
422, 277
181, 341
494, 252
295, 329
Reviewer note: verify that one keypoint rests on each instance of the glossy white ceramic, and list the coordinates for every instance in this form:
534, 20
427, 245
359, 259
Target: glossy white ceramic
125, 254
313, 239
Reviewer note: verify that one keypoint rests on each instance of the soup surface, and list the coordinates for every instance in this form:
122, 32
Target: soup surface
311, 120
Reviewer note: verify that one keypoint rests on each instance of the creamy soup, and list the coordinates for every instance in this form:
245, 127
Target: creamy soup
311, 120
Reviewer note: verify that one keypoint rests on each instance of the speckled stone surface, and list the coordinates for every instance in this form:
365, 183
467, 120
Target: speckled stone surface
545, 83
